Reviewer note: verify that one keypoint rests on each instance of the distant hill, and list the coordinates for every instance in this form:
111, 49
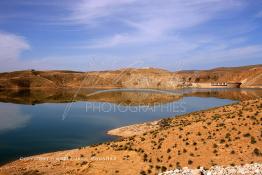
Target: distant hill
250, 76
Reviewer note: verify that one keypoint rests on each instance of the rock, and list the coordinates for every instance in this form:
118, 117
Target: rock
248, 169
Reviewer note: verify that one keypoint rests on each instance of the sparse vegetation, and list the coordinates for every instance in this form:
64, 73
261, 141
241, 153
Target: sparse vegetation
190, 162
257, 152
253, 140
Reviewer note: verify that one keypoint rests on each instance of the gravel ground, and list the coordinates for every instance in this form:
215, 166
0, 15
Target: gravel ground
248, 169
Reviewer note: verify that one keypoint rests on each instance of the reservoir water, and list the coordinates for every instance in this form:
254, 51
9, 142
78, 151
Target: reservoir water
34, 122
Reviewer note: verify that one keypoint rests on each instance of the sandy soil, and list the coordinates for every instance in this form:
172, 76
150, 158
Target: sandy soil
229, 135
136, 129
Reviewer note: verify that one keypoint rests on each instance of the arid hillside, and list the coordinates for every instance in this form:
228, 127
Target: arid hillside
249, 76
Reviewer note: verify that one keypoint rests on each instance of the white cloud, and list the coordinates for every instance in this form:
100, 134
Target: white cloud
147, 21
122, 31
224, 54
12, 118
11, 46
88, 11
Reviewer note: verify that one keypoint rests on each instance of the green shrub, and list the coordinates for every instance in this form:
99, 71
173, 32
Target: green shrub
246, 135
253, 140
257, 152
190, 162
222, 141
163, 168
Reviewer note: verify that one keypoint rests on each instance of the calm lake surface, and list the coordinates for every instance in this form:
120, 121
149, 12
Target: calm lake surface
39, 122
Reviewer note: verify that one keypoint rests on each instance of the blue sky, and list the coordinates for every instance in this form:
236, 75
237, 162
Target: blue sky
110, 34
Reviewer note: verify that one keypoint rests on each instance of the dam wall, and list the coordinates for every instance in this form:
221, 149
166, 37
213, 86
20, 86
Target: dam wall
216, 85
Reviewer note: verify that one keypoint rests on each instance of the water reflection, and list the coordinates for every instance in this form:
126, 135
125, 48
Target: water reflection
62, 96
233, 94
33, 97
11, 117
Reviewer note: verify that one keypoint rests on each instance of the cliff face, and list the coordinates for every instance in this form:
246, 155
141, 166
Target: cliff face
249, 76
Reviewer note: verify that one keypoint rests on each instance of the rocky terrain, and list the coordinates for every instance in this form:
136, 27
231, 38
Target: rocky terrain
248, 169
228, 135
250, 76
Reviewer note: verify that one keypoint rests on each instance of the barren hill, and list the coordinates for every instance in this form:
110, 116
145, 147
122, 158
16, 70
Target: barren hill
249, 76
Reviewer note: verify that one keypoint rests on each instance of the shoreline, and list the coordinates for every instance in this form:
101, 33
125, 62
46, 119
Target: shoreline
119, 87
134, 129
193, 140
140, 128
